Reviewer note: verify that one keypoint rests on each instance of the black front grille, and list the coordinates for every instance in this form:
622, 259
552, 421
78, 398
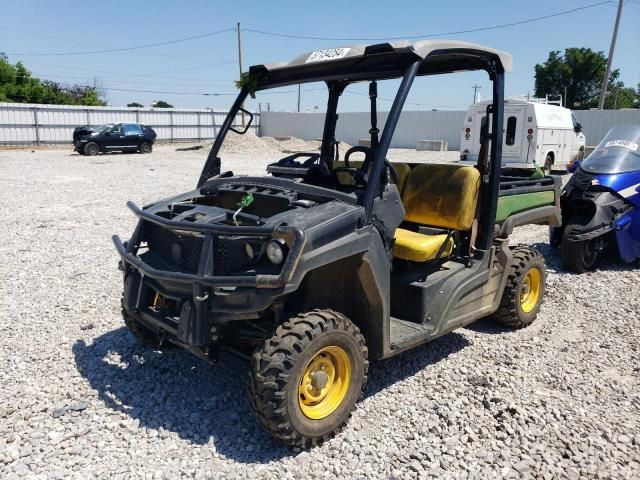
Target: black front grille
176, 250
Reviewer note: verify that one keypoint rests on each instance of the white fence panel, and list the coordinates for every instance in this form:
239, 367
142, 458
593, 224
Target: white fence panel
596, 123
414, 126
22, 123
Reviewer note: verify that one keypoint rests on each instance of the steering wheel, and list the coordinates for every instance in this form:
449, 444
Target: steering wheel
363, 172
359, 175
368, 155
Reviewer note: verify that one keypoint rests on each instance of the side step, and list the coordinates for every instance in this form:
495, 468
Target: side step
402, 332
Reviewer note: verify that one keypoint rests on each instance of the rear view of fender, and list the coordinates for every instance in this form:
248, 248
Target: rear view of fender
595, 211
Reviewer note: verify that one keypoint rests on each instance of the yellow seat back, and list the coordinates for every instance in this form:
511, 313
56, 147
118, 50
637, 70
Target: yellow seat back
442, 195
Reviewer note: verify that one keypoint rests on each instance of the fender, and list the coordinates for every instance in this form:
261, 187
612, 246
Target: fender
595, 210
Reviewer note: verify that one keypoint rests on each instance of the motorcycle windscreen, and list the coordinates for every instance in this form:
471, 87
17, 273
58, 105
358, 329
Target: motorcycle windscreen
618, 152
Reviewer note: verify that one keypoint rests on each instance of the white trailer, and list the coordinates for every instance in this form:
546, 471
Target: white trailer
535, 132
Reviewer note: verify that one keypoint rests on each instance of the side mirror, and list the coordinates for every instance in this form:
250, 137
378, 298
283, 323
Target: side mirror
578, 127
107, 132
246, 127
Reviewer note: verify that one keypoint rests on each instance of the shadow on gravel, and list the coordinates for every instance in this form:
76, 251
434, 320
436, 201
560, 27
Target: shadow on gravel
610, 260
174, 391
384, 373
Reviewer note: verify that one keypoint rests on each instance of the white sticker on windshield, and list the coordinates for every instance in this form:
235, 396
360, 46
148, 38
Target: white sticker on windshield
622, 143
328, 54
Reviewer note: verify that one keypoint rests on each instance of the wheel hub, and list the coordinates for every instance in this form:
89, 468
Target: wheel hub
319, 379
531, 290
324, 382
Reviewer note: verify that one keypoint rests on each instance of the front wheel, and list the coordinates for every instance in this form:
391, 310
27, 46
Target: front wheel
306, 378
91, 149
579, 256
524, 291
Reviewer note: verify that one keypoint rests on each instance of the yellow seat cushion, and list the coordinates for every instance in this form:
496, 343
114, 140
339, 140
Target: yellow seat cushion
418, 247
441, 195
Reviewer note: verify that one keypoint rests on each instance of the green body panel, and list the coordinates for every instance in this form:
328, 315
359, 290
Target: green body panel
519, 203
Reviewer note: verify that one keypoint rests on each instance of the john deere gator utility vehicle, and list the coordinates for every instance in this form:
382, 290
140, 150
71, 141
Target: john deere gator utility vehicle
325, 263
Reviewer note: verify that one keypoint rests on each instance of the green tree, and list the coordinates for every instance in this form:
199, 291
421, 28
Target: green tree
580, 71
619, 96
18, 85
135, 104
161, 104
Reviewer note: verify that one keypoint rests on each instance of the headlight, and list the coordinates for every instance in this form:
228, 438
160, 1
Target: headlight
275, 251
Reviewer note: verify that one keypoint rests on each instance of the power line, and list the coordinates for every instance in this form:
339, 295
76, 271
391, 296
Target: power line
79, 42
136, 74
212, 94
79, 78
123, 49
442, 34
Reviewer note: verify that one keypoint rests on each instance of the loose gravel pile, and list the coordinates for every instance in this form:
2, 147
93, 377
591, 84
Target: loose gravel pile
80, 398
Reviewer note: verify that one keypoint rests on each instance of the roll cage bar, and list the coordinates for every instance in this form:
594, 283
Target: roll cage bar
380, 62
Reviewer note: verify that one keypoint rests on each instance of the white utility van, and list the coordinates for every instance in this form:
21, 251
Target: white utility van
535, 130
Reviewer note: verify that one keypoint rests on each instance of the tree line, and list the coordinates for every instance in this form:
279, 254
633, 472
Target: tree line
19, 86
577, 76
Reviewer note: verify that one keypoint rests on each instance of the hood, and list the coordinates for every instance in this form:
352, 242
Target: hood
82, 131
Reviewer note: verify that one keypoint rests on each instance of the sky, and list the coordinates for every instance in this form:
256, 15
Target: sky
182, 72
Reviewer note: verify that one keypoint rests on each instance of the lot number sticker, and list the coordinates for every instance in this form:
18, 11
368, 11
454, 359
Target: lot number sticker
622, 143
328, 54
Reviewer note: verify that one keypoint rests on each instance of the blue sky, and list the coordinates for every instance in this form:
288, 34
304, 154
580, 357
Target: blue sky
209, 64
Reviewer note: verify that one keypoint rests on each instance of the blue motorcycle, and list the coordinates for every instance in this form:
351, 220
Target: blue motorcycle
601, 203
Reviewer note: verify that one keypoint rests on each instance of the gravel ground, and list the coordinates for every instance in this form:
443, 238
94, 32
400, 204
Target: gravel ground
80, 398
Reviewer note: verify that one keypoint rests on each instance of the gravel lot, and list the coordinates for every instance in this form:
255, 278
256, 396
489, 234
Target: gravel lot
80, 398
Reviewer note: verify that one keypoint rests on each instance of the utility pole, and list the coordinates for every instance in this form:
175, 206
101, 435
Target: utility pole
476, 87
240, 63
605, 80
298, 98
564, 99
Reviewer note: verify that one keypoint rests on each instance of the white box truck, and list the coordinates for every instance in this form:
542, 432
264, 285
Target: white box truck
536, 132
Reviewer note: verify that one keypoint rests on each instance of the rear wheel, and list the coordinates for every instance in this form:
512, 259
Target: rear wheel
548, 164
145, 147
524, 290
91, 149
582, 255
306, 378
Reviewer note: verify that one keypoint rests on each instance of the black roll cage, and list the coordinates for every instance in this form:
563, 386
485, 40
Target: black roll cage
489, 161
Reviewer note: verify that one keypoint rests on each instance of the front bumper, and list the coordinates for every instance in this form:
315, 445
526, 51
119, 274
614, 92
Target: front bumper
202, 297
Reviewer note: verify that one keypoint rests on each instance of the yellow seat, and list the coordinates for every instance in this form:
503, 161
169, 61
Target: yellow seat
437, 195
418, 247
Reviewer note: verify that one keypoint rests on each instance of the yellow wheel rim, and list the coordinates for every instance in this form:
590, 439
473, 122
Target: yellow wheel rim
531, 287
324, 383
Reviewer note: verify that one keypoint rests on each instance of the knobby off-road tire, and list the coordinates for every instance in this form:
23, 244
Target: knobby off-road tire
578, 256
524, 290
91, 149
283, 371
143, 334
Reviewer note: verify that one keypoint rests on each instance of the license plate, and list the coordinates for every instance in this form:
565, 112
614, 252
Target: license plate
327, 54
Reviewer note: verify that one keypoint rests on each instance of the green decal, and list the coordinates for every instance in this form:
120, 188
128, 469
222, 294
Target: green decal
246, 200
